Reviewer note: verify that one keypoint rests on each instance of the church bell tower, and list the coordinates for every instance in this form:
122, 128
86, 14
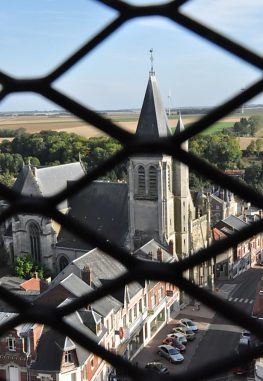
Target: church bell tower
150, 177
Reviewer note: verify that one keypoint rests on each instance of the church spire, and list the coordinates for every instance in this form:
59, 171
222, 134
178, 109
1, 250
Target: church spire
151, 59
153, 121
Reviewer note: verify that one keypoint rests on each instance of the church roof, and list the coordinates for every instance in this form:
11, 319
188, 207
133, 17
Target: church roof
47, 181
26, 183
103, 207
153, 120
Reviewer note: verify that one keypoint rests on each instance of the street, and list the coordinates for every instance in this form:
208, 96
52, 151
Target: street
216, 336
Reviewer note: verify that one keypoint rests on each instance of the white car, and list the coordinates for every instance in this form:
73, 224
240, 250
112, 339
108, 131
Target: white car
170, 353
181, 338
190, 324
190, 335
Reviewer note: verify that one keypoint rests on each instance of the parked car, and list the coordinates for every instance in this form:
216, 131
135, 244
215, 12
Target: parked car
243, 368
189, 324
179, 337
170, 353
156, 367
245, 335
190, 335
174, 343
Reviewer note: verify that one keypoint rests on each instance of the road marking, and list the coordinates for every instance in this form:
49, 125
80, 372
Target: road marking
245, 301
241, 300
251, 301
230, 299
235, 299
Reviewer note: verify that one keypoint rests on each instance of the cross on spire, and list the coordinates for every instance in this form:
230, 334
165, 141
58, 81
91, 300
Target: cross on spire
151, 59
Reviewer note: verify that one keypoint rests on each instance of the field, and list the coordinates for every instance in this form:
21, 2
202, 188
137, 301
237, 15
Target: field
126, 120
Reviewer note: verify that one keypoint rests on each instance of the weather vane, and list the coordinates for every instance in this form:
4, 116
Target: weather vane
151, 58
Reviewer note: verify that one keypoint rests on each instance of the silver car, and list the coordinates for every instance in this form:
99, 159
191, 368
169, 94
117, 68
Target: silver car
170, 353
189, 324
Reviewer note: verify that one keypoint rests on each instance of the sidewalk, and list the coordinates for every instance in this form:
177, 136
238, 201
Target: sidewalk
204, 313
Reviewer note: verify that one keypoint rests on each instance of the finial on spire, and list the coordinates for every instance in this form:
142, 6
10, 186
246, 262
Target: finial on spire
151, 59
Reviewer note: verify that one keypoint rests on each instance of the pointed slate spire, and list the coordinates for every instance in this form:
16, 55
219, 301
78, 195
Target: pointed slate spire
153, 120
180, 128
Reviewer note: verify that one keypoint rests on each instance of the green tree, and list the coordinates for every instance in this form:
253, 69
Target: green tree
7, 179
25, 267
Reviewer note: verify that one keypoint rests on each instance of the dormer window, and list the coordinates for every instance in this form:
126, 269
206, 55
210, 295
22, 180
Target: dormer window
68, 357
98, 327
11, 344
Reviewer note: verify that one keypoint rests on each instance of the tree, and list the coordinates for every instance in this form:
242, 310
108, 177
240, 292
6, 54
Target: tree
25, 267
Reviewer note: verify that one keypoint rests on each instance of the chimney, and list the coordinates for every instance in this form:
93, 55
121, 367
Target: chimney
171, 247
35, 275
44, 283
86, 275
159, 255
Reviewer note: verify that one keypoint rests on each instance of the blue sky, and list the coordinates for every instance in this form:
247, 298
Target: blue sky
35, 36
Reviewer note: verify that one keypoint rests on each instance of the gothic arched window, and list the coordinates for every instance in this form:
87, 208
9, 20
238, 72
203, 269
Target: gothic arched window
152, 181
63, 262
34, 236
141, 180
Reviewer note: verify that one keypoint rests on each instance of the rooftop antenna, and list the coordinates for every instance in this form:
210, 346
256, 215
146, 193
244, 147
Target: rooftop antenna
151, 59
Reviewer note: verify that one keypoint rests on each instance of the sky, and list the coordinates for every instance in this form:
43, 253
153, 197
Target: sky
36, 36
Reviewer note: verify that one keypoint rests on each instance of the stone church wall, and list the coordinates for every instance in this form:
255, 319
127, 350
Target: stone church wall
199, 234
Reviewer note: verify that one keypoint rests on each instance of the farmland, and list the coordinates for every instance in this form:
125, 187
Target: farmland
127, 121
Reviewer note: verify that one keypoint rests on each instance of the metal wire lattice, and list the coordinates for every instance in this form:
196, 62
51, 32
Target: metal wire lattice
136, 270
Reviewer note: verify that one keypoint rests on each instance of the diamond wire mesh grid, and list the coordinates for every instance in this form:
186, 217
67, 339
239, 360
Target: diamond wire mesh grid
136, 270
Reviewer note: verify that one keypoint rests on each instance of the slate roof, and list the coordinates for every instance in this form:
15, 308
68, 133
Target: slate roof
57, 343
152, 246
103, 269
26, 183
102, 206
51, 359
22, 329
232, 222
153, 120
47, 181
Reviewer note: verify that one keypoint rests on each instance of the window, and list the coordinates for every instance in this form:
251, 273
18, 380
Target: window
152, 181
153, 300
140, 305
124, 320
68, 356
135, 311
130, 315
98, 327
141, 180
34, 237
145, 301
11, 343
63, 262
92, 363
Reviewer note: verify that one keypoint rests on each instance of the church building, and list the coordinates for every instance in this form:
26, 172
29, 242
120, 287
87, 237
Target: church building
155, 204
